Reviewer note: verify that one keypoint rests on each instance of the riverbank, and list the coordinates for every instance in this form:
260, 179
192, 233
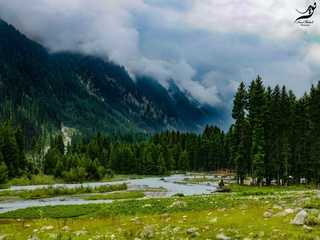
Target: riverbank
40, 180
248, 213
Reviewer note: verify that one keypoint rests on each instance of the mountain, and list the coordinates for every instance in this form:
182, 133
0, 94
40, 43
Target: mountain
87, 93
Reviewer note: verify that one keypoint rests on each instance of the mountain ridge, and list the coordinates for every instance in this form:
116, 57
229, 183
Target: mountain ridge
87, 92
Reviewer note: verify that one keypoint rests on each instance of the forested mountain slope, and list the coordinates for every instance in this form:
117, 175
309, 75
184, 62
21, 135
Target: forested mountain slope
86, 93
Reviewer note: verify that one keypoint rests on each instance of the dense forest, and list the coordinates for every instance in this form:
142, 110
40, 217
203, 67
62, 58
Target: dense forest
275, 137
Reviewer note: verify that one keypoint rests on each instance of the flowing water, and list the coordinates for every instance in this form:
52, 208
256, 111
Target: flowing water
171, 184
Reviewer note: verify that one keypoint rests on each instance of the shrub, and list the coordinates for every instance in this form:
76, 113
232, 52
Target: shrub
224, 189
178, 195
42, 179
21, 181
78, 174
312, 220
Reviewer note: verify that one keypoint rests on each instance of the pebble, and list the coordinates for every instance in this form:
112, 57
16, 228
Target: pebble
267, 215
46, 228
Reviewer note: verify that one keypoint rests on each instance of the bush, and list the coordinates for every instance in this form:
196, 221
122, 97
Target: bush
224, 189
111, 188
42, 179
178, 195
109, 173
21, 181
78, 174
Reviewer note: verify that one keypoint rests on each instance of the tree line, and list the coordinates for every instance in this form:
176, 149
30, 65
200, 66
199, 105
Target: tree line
275, 137
99, 156
159, 155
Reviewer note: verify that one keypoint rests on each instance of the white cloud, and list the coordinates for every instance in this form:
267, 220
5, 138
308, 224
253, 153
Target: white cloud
205, 46
272, 18
313, 54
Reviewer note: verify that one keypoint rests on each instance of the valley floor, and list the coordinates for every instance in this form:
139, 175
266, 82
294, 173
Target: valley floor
246, 213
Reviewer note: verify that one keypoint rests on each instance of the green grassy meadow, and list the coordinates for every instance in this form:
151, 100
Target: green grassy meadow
237, 215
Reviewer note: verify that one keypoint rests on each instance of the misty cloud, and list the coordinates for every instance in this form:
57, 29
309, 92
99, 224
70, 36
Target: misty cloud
207, 47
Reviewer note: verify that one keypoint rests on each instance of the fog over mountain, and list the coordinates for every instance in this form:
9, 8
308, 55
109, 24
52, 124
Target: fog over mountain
206, 47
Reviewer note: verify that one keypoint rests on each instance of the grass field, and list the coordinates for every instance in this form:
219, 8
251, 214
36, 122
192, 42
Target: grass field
116, 195
247, 213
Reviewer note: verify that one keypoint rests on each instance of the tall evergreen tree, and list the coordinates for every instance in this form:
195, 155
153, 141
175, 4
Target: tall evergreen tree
256, 116
3, 170
240, 143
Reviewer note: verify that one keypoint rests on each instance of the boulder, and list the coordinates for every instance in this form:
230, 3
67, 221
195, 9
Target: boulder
193, 232
221, 236
300, 218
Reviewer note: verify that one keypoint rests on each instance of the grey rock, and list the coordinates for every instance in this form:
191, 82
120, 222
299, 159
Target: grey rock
193, 232
300, 218
221, 236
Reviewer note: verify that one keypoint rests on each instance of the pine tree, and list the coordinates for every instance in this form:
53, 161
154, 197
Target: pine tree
59, 144
256, 115
240, 133
52, 158
276, 148
162, 165
10, 151
3, 170
93, 170
268, 126
184, 161
314, 115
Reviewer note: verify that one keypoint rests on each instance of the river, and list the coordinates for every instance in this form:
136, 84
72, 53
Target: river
171, 184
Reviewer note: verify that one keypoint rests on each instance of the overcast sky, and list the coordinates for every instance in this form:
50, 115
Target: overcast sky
206, 46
